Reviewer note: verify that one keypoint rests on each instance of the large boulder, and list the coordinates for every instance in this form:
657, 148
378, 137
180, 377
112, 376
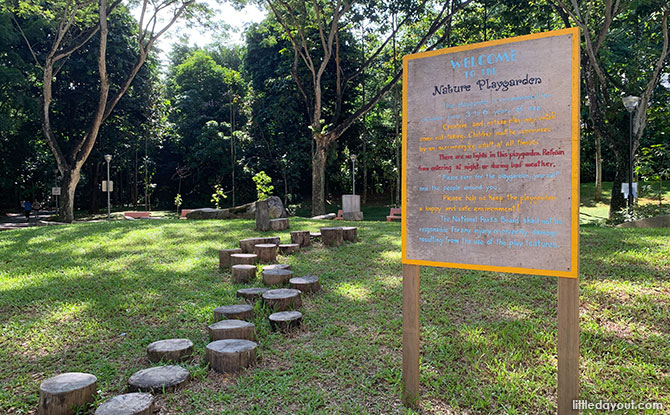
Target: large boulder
655, 222
248, 211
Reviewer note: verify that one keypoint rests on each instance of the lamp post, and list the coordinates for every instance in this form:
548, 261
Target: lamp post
56, 185
108, 158
630, 102
353, 174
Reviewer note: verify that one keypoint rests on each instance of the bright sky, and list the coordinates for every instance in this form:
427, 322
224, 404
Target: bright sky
238, 20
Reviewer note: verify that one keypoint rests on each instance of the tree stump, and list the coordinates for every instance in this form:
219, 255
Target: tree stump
262, 215
232, 329
248, 259
267, 253
128, 404
301, 238
276, 266
276, 276
158, 379
227, 356
247, 245
306, 284
175, 350
283, 299
243, 273
285, 320
315, 236
251, 294
235, 312
279, 224
349, 233
332, 236
288, 249
62, 393
224, 257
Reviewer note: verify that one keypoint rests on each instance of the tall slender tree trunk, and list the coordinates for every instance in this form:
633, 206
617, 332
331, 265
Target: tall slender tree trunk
319, 175
618, 201
68, 186
93, 186
599, 170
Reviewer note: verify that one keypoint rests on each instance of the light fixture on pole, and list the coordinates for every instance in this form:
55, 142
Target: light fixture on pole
630, 102
55, 185
353, 174
108, 158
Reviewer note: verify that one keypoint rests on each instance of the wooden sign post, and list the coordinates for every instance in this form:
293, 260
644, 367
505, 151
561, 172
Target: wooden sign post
491, 176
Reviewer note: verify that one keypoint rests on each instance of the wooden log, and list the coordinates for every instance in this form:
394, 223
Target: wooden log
349, 233
301, 238
267, 253
283, 299
175, 350
224, 257
243, 273
247, 245
288, 249
251, 295
276, 276
158, 379
279, 224
128, 404
277, 266
231, 355
235, 312
306, 284
232, 329
61, 394
262, 216
285, 320
248, 259
332, 236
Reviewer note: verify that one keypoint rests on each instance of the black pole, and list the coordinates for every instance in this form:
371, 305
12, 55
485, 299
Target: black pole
630, 164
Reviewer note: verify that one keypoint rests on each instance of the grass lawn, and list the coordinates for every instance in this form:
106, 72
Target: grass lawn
91, 297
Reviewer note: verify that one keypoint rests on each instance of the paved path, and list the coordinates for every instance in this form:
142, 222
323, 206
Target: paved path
18, 220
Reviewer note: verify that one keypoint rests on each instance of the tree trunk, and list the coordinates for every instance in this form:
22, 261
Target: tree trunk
319, 176
93, 185
68, 187
599, 171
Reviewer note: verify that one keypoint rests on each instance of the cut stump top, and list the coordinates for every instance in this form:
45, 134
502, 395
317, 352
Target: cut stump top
231, 346
159, 378
129, 403
281, 293
67, 382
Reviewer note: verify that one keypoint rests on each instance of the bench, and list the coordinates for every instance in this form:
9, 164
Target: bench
185, 212
394, 214
136, 215
339, 215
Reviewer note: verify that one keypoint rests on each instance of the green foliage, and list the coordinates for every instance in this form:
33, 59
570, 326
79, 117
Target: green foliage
264, 185
653, 164
218, 196
178, 201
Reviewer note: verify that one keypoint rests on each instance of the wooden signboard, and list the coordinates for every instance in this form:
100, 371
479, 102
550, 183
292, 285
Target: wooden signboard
491, 170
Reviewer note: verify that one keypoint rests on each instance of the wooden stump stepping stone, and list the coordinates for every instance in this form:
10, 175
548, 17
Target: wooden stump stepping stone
231, 355
247, 245
232, 329
315, 236
279, 224
59, 395
246, 259
267, 253
158, 379
301, 238
332, 236
251, 294
306, 284
175, 350
276, 276
277, 266
285, 320
136, 403
283, 299
349, 233
236, 312
288, 249
224, 256
243, 273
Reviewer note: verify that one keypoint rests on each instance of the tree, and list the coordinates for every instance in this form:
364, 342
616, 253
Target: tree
315, 29
75, 24
624, 53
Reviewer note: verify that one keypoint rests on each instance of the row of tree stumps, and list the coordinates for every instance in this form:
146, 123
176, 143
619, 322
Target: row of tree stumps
232, 336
